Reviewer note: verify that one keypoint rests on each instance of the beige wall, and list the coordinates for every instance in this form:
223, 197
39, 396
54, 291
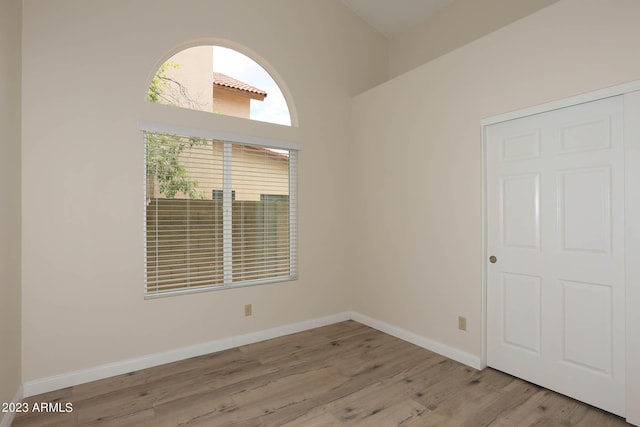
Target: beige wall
194, 71
457, 24
82, 184
417, 170
249, 164
10, 35
232, 102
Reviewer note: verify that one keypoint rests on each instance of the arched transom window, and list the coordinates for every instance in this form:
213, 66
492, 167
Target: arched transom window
221, 81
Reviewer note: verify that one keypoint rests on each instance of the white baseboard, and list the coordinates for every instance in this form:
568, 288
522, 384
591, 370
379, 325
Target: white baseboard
7, 419
69, 379
45, 385
426, 343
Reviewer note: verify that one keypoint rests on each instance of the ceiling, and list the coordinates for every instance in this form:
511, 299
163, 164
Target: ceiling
391, 17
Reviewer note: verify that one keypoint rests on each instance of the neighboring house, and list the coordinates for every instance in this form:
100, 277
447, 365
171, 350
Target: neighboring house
190, 82
232, 97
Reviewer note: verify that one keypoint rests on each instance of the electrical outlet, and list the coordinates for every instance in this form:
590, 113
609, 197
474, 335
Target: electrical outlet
248, 310
462, 323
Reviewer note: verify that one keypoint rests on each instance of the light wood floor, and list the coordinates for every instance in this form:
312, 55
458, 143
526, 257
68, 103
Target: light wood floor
345, 374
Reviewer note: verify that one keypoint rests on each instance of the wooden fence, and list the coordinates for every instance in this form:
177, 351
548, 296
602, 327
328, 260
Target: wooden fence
184, 242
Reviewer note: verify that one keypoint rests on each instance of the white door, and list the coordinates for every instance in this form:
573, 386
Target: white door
555, 225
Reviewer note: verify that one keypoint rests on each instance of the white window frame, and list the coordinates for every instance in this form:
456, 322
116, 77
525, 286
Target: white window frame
230, 139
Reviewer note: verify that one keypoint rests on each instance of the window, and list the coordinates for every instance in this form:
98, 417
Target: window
220, 210
218, 213
222, 81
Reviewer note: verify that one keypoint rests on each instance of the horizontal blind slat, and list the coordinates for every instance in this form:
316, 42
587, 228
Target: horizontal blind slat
186, 209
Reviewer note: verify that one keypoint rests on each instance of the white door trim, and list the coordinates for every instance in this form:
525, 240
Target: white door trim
607, 92
632, 251
632, 222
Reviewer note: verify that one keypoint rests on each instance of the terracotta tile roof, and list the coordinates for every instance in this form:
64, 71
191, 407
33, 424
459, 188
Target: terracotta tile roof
224, 80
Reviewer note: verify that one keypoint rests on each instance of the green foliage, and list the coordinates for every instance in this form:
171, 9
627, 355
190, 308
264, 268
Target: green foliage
163, 163
163, 151
160, 83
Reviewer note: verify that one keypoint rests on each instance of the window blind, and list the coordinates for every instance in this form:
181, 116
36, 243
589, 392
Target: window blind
217, 214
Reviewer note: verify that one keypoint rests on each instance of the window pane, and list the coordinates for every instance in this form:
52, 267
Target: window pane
217, 213
221, 81
260, 213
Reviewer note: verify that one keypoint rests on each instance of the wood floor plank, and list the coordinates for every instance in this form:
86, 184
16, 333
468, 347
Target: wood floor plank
402, 413
313, 419
196, 409
345, 374
546, 407
483, 401
135, 419
372, 403
504, 400
287, 398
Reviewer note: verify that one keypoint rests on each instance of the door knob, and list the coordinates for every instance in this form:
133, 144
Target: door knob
493, 259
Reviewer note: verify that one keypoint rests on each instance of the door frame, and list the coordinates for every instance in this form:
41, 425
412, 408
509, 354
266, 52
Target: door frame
631, 92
